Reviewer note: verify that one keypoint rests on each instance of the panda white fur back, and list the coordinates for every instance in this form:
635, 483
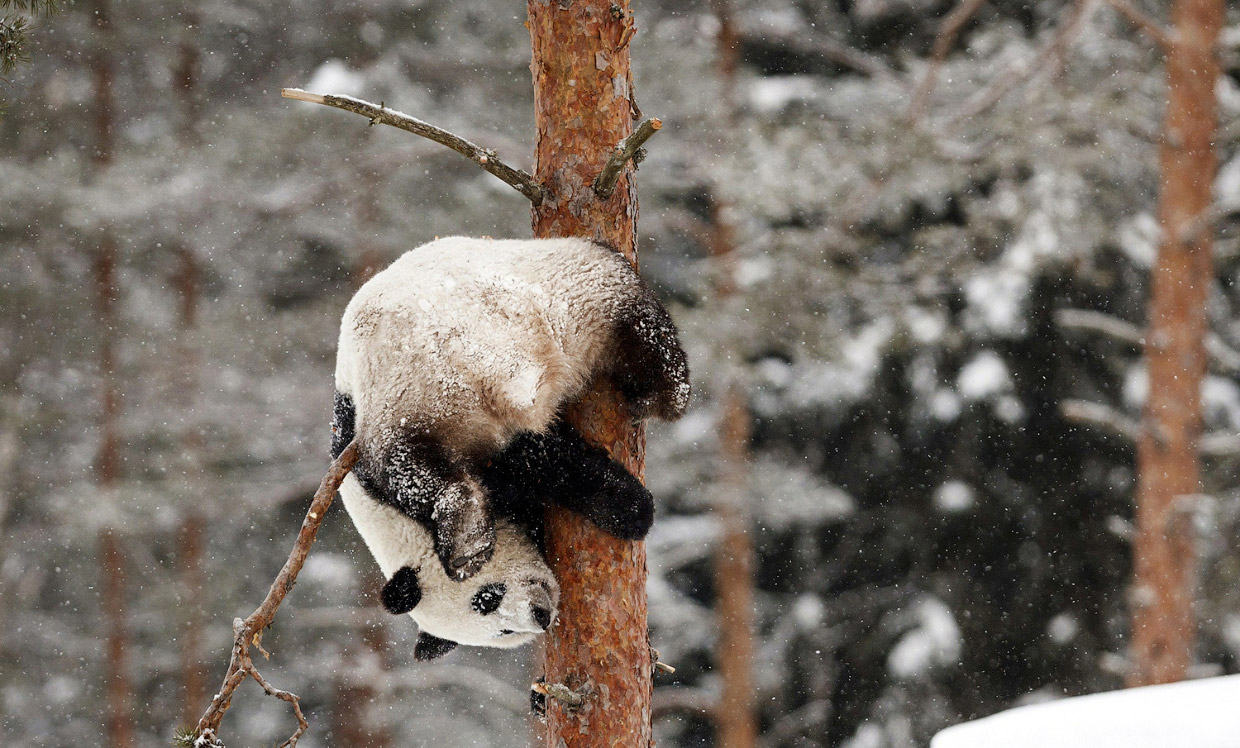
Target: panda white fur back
474, 340
452, 369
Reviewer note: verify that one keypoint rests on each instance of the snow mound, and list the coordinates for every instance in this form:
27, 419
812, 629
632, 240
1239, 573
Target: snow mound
1198, 713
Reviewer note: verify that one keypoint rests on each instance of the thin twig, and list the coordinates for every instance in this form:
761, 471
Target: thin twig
1049, 57
1152, 28
248, 633
605, 182
378, 114
943, 42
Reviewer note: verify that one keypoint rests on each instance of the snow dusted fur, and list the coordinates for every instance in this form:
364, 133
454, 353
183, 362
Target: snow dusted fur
452, 368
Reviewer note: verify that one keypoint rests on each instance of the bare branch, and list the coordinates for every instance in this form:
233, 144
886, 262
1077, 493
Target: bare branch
605, 182
948, 31
249, 632
1152, 28
378, 114
1103, 417
1049, 57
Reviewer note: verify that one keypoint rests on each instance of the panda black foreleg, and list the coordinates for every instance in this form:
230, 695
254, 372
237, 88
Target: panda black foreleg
344, 417
415, 474
651, 369
560, 467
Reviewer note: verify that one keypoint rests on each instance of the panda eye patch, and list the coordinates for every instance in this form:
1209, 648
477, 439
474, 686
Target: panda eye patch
487, 599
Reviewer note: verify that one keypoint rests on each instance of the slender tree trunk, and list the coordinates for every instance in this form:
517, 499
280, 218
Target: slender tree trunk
119, 718
1168, 471
600, 644
191, 540
735, 718
352, 712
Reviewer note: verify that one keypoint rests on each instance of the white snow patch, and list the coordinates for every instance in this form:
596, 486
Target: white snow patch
996, 301
925, 325
1220, 400
808, 612
772, 94
1063, 628
1136, 386
868, 735
1139, 238
945, 405
933, 642
954, 496
843, 380
329, 570
751, 271
1227, 184
335, 77
983, 377
1199, 713
793, 495
676, 541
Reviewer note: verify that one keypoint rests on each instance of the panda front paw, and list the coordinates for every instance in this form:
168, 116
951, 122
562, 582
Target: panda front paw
466, 557
464, 530
625, 510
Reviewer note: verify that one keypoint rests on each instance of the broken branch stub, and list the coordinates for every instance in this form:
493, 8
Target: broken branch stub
605, 182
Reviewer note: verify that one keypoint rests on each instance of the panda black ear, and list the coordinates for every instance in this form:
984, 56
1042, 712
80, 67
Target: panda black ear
430, 647
402, 592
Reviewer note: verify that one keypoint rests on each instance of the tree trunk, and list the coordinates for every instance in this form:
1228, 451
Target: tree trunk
1162, 599
119, 718
600, 644
735, 718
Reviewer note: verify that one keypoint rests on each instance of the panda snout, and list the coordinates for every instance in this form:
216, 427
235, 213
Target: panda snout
542, 617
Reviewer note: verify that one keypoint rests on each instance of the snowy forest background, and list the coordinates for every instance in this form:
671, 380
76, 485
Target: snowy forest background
912, 311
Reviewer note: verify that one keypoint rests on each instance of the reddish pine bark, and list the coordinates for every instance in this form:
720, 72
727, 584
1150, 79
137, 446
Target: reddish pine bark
600, 644
735, 715
1168, 471
735, 721
119, 718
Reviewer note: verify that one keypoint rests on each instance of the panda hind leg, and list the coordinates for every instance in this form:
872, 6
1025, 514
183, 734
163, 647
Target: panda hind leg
559, 467
651, 369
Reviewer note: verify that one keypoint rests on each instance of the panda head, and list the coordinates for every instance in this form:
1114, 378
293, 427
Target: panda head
511, 600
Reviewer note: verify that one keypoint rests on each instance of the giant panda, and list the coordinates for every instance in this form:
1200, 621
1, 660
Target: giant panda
452, 370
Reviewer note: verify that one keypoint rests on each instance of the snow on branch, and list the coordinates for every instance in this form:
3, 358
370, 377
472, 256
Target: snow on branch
1102, 417
1050, 57
949, 30
605, 182
1087, 320
249, 632
1223, 356
1152, 28
379, 114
